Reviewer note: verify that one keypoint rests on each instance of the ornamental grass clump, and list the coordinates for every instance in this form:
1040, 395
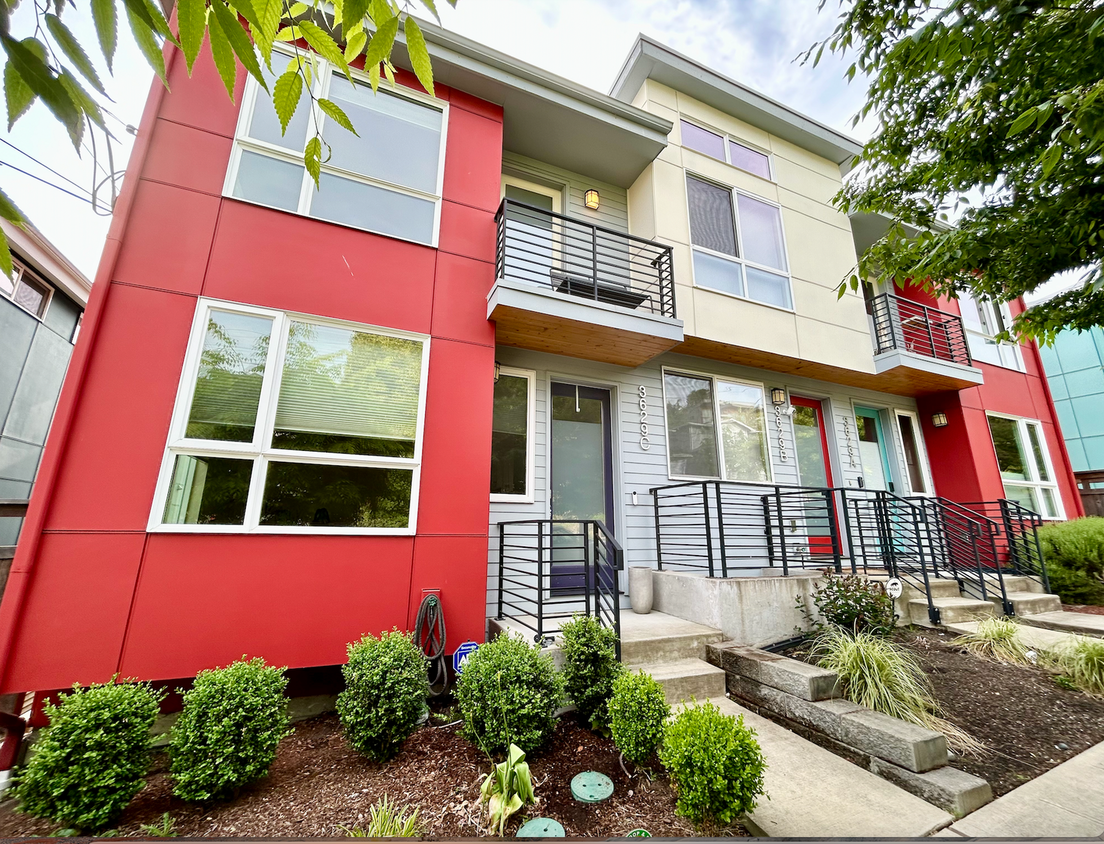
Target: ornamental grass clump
590, 668
715, 763
387, 820
638, 711
1083, 663
93, 758
386, 686
228, 730
997, 639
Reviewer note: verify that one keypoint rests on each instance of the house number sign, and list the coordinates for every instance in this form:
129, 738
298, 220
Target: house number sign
850, 442
645, 442
781, 435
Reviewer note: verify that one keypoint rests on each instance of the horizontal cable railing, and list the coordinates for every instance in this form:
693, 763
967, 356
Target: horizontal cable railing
907, 326
1017, 549
550, 570
580, 259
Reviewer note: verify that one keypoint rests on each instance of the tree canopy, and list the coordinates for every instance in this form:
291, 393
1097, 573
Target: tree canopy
50, 65
994, 110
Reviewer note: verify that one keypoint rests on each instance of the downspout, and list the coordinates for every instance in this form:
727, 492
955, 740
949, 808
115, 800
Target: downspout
22, 570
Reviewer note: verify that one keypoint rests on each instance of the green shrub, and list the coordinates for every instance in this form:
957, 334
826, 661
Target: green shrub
93, 757
386, 685
638, 711
852, 603
1074, 556
226, 736
590, 668
715, 764
509, 693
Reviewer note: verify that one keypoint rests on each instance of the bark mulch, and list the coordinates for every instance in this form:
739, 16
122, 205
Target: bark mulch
1028, 722
1086, 608
318, 784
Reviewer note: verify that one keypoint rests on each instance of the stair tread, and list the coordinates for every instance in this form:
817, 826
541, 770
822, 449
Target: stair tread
674, 668
949, 601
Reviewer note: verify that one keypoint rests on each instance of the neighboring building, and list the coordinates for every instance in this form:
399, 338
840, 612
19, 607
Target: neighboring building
289, 407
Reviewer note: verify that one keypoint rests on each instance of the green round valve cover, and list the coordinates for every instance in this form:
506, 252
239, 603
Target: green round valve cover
638, 833
591, 787
541, 828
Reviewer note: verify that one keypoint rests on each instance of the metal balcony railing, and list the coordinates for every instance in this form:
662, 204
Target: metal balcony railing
907, 326
580, 259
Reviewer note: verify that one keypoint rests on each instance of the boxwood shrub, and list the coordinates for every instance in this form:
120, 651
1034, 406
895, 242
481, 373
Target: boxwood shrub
638, 710
590, 668
1074, 556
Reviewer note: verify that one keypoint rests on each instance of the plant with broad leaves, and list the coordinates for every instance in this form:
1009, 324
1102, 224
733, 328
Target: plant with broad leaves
507, 789
53, 67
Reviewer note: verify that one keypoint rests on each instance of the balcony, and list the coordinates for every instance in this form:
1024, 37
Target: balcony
568, 287
923, 348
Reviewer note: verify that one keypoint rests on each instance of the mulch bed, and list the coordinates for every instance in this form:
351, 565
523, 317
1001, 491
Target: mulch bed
318, 784
1029, 723
1092, 610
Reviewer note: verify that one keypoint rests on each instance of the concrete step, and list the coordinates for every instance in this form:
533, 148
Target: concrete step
1030, 603
687, 679
943, 587
655, 637
1085, 624
951, 610
1016, 583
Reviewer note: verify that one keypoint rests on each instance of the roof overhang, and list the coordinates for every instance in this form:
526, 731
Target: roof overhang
649, 59
31, 247
547, 117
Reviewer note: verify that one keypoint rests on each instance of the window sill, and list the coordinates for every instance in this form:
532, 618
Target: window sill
238, 530
740, 298
501, 498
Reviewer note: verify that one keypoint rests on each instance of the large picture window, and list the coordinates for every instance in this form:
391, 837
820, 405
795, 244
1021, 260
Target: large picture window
1025, 465
738, 244
512, 436
716, 428
288, 423
385, 179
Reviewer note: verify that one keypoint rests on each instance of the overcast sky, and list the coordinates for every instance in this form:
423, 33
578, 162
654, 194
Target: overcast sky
752, 41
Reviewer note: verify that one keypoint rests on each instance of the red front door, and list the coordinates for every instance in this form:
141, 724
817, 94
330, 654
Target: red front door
814, 466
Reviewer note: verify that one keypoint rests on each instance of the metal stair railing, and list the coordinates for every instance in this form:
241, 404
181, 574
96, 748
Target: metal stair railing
1017, 546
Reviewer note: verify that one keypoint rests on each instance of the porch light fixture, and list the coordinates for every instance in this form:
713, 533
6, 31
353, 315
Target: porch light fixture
498, 369
778, 396
939, 420
592, 200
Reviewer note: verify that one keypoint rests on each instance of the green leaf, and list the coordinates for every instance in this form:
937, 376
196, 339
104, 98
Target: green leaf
333, 111
1050, 158
419, 55
223, 54
285, 96
239, 40
353, 11
151, 15
264, 32
5, 254
323, 44
107, 25
73, 51
82, 98
379, 48
29, 60
191, 19
17, 94
9, 211
246, 9
429, 4
355, 44
143, 35
312, 158
1022, 122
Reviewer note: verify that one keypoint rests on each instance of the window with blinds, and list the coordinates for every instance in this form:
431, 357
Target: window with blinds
293, 424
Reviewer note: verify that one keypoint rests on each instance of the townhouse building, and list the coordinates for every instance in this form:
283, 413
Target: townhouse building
525, 335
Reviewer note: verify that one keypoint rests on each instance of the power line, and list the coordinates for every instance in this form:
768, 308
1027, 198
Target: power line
45, 182
45, 166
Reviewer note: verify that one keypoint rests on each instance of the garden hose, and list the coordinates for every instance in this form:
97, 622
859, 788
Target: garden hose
429, 633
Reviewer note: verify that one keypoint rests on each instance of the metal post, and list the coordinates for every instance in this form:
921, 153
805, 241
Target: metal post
781, 532
659, 544
721, 531
501, 564
708, 531
974, 537
590, 568
594, 258
847, 526
931, 339
765, 501
540, 579
833, 527
933, 610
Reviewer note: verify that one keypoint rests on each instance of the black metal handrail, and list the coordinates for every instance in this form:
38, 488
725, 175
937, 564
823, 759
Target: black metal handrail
550, 570
577, 258
907, 326
1018, 550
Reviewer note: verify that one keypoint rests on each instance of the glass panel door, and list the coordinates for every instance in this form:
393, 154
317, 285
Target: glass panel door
814, 467
872, 450
531, 236
581, 475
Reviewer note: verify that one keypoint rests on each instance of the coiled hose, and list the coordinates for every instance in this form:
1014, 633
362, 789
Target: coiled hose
429, 633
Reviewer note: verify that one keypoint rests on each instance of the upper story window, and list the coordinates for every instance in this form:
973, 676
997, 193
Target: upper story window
25, 290
716, 428
738, 244
1025, 464
288, 423
725, 149
387, 180
983, 321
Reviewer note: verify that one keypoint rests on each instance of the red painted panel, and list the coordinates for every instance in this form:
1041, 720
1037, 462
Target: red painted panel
111, 462
460, 299
201, 101
456, 455
473, 159
168, 238
456, 565
188, 158
464, 100
204, 601
72, 626
467, 231
949, 448
281, 260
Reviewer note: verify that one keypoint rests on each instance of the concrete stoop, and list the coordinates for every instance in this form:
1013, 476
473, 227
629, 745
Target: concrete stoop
805, 698
1084, 624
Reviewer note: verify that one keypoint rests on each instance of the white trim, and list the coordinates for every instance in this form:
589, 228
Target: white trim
19, 270
921, 451
1035, 482
726, 137
530, 433
553, 192
260, 450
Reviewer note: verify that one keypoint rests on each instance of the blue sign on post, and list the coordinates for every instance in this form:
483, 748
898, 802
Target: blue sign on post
461, 655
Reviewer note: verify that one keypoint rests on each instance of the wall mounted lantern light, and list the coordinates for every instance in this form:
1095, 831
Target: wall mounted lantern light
498, 369
939, 420
778, 396
592, 200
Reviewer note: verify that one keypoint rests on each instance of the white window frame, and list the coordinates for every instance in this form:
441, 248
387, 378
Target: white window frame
260, 450
740, 259
1009, 355
922, 452
680, 370
1022, 423
322, 78
530, 434
727, 151
19, 269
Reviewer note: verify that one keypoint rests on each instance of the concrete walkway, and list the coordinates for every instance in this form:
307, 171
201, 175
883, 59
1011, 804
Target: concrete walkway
816, 794
1065, 802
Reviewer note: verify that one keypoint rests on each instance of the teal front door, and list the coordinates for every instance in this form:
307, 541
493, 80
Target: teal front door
873, 450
